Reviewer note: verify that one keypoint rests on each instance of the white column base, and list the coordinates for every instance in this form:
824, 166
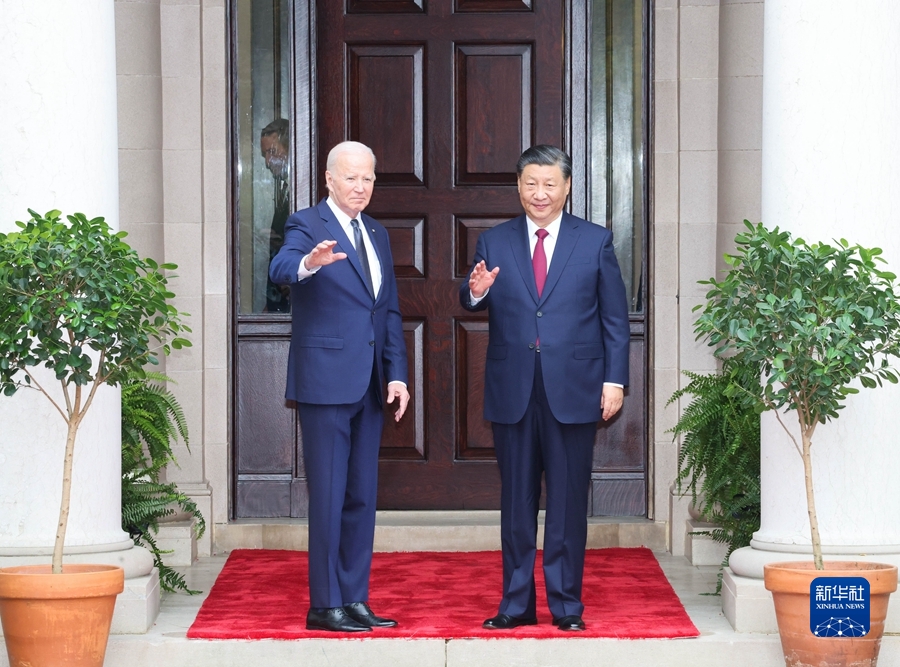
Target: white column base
745, 598
702, 549
136, 561
201, 493
137, 606
679, 512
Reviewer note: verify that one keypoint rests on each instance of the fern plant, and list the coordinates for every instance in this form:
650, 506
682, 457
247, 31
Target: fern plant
152, 419
719, 457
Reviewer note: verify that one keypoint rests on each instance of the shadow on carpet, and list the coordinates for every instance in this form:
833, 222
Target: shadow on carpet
264, 594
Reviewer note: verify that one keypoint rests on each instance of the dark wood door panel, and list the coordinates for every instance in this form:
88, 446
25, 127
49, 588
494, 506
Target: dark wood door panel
619, 497
467, 230
385, 6
386, 91
474, 440
265, 424
405, 440
493, 111
407, 236
493, 5
619, 446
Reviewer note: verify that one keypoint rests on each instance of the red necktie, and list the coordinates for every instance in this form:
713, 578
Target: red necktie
539, 261
539, 264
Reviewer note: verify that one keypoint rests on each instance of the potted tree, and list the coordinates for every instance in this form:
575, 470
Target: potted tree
77, 300
816, 318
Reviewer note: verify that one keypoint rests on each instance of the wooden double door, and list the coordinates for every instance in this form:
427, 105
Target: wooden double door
447, 93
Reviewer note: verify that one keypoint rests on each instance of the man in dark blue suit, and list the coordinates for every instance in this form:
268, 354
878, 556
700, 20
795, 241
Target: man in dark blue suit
557, 362
346, 344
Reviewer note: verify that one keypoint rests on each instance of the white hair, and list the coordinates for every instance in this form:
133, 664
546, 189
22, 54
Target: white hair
348, 147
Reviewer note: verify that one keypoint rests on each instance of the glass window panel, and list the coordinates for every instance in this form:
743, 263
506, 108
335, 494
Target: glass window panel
264, 171
617, 133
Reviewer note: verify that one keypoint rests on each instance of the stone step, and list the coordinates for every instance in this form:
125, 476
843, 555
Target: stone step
436, 531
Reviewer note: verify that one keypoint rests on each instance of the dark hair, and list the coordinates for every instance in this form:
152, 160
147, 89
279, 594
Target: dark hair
546, 156
279, 127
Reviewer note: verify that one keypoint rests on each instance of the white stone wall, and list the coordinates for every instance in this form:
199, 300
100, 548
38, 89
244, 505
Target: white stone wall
706, 171
173, 176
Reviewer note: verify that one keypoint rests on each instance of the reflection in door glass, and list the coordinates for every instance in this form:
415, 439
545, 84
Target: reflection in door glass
617, 134
263, 127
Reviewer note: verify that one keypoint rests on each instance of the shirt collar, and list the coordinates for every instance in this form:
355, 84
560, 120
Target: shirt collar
342, 217
552, 228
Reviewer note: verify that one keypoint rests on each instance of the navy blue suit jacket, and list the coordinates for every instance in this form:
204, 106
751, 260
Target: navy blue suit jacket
337, 327
581, 319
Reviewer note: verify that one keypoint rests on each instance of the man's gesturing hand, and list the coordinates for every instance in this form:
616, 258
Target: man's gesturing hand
322, 255
481, 279
398, 390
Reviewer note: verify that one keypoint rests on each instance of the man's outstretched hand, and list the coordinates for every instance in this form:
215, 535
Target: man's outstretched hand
322, 255
481, 279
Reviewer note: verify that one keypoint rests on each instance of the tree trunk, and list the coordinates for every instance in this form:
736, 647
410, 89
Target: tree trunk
811, 501
58, 544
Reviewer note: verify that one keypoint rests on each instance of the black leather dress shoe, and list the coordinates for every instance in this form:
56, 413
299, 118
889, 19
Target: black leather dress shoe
569, 623
362, 613
334, 619
507, 622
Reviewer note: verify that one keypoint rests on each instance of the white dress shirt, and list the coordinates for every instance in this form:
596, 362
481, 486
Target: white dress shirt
344, 220
549, 247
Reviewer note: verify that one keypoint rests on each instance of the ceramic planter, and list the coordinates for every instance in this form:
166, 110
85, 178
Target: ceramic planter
58, 620
790, 582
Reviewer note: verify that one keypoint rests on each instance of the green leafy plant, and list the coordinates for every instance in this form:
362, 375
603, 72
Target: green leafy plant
815, 317
152, 420
718, 461
77, 300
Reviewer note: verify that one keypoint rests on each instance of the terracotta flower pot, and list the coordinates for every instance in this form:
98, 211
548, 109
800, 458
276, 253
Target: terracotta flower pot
790, 582
58, 620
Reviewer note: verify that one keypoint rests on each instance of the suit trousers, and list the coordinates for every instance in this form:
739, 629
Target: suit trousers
537, 444
340, 452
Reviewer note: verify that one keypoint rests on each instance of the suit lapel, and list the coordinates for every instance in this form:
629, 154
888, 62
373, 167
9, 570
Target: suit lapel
521, 250
565, 244
343, 242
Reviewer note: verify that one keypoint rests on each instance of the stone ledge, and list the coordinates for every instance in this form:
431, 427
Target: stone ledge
178, 538
702, 549
747, 604
137, 606
436, 531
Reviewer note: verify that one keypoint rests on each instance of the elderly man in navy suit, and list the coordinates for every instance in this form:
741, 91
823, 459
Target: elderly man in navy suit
557, 362
346, 345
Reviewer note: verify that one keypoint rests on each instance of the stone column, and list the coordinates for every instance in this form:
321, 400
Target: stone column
830, 168
59, 146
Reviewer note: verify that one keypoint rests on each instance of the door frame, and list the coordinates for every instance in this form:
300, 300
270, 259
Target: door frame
305, 186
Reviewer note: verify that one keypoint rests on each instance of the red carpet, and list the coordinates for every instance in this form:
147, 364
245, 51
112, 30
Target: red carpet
263, 594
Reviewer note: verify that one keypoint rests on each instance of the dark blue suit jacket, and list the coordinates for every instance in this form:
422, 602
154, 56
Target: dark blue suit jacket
581, 319
337, 327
